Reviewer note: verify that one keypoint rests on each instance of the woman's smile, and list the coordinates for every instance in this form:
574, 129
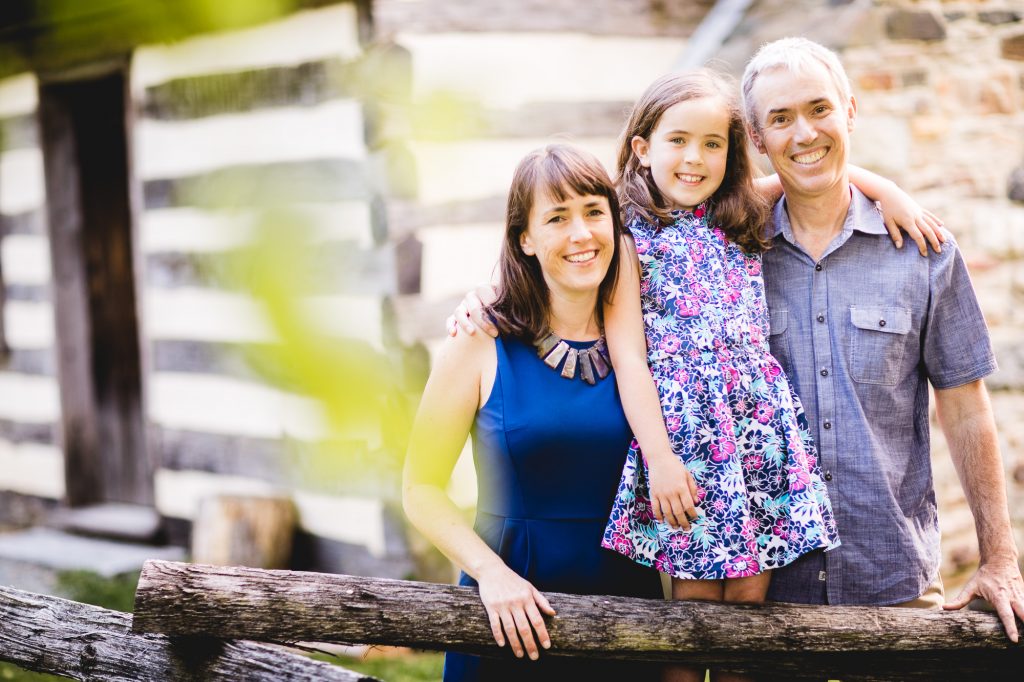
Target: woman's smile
582, 257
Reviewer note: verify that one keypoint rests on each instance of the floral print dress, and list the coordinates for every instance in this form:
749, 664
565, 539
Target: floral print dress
731, 415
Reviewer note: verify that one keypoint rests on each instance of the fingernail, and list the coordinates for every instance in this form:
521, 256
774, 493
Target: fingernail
546, 644
533, 656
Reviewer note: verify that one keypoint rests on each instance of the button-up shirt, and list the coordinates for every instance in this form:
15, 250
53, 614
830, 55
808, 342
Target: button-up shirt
860, 332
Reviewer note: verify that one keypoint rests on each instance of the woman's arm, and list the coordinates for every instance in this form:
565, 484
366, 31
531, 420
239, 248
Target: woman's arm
446, 413
900, 211
673, 490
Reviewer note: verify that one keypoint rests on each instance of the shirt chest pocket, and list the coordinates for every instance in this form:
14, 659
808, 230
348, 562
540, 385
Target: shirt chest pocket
878, 344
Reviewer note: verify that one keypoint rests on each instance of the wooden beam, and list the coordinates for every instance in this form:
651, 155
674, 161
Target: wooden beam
261, 184
18, 132
27, 432
27, 222
330, 267
306, 84
49, 635
797, 641
91, 200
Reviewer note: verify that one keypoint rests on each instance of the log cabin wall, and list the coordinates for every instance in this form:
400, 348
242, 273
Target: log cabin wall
268, 104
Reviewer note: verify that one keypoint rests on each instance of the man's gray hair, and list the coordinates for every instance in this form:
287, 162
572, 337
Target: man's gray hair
795, 55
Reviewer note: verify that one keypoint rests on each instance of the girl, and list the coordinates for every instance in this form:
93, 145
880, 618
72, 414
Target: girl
721, 483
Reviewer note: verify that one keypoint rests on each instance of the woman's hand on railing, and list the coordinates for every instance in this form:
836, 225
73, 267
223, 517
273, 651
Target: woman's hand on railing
514, 608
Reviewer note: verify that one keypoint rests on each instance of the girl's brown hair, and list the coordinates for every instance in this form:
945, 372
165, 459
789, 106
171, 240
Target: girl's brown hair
522, 307
735, 206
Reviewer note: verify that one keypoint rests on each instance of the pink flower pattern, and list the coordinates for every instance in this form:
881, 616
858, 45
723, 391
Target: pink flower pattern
730, 411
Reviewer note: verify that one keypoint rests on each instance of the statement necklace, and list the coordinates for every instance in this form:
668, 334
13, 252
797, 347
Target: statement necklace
593, 362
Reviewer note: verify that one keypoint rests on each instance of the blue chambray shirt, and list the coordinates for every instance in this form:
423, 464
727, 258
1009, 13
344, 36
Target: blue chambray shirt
860, 333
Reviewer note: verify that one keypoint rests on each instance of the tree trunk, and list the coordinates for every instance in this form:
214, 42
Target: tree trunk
244, 531
83, 642
791, 640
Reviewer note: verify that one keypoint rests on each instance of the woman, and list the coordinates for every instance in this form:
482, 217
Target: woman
548, 428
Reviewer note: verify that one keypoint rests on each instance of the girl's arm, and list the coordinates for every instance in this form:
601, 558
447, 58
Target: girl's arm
900, 211
673, 490
446, 413
769, 187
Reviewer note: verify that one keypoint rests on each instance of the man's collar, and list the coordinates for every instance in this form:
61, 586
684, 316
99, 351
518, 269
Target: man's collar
862, 216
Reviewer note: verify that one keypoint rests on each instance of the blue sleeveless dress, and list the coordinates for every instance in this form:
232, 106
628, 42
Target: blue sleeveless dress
548, 453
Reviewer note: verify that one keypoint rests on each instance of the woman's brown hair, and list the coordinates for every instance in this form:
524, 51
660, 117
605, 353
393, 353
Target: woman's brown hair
522, 307
735, 206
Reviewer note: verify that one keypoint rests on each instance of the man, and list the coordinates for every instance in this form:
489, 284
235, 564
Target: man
861, 328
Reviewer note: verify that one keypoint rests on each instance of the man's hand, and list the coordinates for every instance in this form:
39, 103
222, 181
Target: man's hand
999, 583
469, 314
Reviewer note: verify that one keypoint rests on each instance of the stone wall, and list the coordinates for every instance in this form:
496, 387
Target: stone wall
940, 88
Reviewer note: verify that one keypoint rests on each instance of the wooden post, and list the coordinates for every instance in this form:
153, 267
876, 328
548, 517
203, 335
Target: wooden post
91, 200
83, 642
244, 531
789, 640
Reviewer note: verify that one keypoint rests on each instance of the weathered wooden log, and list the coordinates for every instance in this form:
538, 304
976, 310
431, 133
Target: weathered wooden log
244, 530
791, 640
84, 642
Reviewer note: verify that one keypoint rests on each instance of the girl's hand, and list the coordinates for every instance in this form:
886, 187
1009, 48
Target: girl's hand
470, 316
901, 212
673, 491
513, 607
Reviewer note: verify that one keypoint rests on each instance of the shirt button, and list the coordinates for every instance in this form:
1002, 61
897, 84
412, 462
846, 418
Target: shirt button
817, 267
881, 323
824, 372
821, 318
828, 475
827, 424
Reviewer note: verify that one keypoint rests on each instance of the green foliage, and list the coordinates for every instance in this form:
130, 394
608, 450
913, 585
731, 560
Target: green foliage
59, 33
359, 388
116, 593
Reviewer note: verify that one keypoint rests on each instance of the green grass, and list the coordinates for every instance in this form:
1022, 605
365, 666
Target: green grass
417, 667
90, 588
12, 673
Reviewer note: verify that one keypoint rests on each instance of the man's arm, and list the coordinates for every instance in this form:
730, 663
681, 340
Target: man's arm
965, 415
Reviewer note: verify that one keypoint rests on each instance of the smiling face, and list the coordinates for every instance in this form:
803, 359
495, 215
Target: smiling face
687, 151
572, 239
803, 124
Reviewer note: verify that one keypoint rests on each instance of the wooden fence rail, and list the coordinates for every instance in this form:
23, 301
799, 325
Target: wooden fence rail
796, 642
83, 642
